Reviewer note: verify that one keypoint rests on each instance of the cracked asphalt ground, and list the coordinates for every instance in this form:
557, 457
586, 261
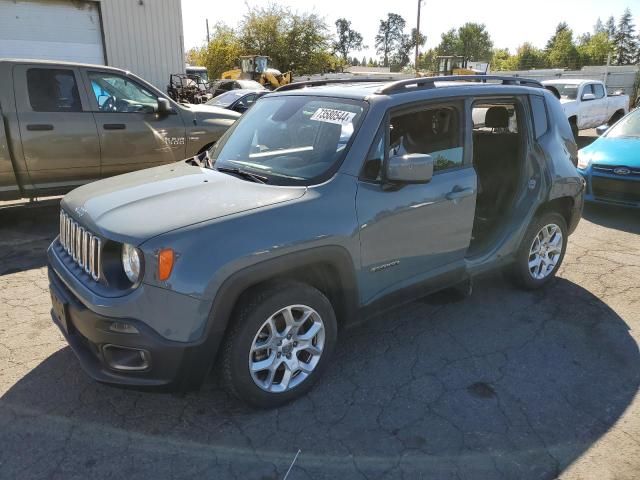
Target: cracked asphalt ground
503, 384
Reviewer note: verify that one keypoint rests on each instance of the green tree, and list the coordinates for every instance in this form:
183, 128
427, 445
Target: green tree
503, 60
610, 27
390, 36
449, 43
529, 57
563, 52
427, 61
347, 39
595, 49
220, 54
560, 28
363, 62
599, 27
402, 55
624, 40
474, 42
299, 42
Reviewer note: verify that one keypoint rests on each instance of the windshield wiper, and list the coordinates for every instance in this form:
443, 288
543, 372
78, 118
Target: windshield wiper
254, 177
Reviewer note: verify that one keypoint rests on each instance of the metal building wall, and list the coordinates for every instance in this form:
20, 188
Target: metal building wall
144, 37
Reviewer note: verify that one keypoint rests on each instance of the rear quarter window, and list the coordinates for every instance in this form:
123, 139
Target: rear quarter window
540, 120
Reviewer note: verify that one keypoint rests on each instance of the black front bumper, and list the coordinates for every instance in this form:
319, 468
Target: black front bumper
173, 366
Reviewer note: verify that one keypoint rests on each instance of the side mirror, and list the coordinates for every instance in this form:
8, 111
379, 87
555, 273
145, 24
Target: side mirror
588, 96
601, 129
411, 168
164, 107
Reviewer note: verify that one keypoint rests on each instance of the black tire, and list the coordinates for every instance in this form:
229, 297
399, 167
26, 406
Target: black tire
256, 307
520, 272
574, 129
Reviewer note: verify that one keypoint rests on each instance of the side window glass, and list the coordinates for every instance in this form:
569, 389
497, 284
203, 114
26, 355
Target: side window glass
53, 90
598, 90
434, 131
539, 115
115, 93
372, 169
587, 89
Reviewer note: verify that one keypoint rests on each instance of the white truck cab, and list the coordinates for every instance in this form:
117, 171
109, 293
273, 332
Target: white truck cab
587, 104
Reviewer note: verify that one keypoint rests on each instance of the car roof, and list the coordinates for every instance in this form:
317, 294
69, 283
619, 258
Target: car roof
244, 91
61, 63
567, 81
443, 88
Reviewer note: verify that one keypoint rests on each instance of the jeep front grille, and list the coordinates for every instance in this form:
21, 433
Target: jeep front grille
84, 248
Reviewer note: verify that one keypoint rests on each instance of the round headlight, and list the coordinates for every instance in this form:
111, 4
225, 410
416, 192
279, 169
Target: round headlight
131, 262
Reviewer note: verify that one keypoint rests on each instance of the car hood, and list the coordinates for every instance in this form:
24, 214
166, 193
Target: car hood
564, 101
614, 151
203, 113
137, 206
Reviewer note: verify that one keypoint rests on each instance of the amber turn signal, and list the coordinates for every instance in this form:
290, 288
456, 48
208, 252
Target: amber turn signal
166, 257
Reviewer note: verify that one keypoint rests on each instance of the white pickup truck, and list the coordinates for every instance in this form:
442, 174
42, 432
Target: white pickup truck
587, 104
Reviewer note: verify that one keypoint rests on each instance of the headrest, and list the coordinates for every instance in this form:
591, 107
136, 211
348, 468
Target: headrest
496, 117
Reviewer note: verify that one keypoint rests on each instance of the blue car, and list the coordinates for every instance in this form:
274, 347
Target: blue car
611, 164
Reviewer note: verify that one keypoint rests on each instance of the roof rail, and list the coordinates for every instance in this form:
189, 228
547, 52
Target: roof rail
319, 83
429, 82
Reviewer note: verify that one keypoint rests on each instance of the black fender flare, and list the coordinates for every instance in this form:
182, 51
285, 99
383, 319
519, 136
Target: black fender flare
203, 355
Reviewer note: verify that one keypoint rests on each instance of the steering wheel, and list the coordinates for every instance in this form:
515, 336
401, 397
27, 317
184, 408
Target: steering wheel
109, 105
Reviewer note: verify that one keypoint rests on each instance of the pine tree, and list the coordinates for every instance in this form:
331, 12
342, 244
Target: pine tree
625, 40
363, 62
610, 27
599, 27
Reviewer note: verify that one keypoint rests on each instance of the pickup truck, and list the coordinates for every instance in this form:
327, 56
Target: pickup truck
66, 124
587, 104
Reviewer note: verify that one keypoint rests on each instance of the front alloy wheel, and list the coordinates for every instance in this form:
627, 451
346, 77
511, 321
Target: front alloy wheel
281, 339
287, 348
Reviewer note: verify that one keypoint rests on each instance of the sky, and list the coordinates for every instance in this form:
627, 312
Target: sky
509, 22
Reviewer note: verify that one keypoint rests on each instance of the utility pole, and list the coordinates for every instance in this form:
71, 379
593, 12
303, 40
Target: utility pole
207, 21
418, 35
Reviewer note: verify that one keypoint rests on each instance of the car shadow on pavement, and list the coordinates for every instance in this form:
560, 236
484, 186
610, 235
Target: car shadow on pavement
611, 216
504, 383
25, 233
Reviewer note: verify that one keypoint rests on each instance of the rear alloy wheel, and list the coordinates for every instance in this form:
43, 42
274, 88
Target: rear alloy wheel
545, 251
541, 252
282, 338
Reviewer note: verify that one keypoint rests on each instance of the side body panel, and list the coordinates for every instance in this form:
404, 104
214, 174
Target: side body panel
9, 187
60, 148
134, 140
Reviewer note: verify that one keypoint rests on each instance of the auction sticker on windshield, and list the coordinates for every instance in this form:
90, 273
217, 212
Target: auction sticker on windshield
330, 115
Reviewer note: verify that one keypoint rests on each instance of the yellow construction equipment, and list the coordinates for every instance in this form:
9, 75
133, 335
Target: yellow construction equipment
254, 67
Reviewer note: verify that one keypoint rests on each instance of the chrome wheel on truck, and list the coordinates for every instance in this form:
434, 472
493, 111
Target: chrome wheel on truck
287, 348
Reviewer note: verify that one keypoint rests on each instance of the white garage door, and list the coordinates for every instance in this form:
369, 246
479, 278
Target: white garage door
51, 30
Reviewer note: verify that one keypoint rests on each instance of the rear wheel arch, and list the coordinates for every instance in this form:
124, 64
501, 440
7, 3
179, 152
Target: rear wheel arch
617, 115
562, 205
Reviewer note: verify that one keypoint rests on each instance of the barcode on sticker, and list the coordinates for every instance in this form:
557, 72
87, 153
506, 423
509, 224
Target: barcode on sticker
331, 115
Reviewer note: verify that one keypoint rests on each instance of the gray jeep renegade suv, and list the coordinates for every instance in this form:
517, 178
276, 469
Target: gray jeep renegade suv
326, 203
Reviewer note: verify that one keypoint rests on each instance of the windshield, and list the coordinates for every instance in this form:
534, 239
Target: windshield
225, 99
290, 139
628, 127
567, 90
